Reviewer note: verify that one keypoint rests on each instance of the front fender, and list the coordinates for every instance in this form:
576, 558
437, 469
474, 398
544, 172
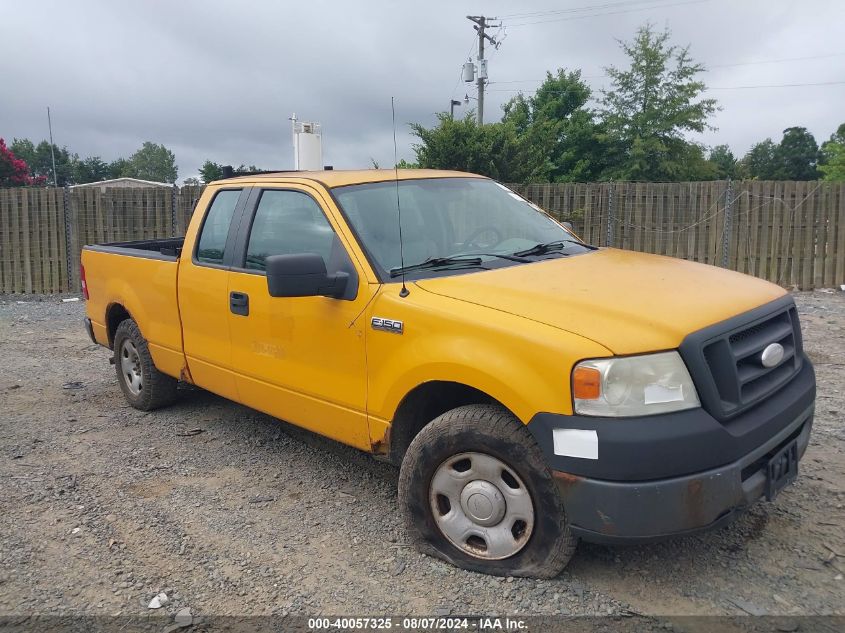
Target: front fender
523, 364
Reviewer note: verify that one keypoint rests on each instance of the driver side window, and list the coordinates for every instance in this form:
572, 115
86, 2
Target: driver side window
286, 223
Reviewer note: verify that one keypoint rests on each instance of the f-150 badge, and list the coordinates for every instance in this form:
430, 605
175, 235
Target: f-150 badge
388, 325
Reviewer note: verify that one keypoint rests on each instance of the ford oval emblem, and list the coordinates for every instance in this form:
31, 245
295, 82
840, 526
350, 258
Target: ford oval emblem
772, 355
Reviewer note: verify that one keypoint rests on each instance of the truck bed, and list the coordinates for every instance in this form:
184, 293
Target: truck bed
141, 277
167, 248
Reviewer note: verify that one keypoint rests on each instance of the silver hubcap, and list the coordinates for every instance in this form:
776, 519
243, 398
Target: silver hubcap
130, 366
481, 506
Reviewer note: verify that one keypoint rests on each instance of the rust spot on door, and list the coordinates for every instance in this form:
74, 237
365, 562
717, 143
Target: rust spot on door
381, 446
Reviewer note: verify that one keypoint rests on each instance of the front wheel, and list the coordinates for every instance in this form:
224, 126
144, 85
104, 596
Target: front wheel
476, 492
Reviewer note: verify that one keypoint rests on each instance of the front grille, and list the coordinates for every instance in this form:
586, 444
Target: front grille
725, 360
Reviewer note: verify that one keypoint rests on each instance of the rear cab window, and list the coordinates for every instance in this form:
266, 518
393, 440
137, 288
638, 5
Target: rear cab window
211, 245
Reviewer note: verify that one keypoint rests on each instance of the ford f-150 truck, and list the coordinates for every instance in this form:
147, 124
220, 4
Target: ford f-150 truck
533, 389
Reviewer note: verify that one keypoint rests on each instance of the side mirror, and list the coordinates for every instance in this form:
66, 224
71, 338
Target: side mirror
302, 275
568, 226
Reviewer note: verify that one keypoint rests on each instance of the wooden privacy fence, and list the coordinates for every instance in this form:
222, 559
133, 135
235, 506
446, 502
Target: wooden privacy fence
42, 231
791, 233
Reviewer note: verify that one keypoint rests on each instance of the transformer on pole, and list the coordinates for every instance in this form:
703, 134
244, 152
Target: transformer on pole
478, 73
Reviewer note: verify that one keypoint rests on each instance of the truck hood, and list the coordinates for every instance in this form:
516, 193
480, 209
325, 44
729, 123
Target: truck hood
626, 301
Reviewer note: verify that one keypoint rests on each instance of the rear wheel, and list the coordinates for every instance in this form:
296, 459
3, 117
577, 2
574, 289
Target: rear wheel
476, 492
144, 386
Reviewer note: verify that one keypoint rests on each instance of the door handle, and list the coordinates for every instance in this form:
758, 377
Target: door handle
239, 303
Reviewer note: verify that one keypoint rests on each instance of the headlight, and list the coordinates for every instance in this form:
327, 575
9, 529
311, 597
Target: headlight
633, 385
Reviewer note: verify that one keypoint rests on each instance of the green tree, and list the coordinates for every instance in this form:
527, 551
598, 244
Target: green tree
761, 161
246, 169
838, 136
724, 162
651, 106
794, 158
153, 162
797, 155
493, 150
214, 171
211, 171
40, 160
832, 156
91, 169
834, 167
557, 131
24, 149
119, 168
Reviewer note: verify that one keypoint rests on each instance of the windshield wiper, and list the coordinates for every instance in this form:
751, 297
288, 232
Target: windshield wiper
468, 259
436, 262
551, 247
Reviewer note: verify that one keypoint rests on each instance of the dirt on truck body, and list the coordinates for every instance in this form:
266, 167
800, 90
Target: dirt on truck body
534, 390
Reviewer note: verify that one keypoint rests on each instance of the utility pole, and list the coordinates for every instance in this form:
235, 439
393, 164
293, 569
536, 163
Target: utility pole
52, 153
482, 23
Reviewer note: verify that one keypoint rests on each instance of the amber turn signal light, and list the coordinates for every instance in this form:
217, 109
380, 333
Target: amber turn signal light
586, 383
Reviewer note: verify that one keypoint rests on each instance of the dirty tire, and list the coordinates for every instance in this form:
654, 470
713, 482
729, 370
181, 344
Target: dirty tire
158, 389
494, 431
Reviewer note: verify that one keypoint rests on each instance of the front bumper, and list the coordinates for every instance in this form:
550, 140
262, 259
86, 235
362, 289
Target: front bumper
613, 511
675, 473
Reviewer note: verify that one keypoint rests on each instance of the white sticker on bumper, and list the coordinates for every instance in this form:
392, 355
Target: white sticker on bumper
576, 443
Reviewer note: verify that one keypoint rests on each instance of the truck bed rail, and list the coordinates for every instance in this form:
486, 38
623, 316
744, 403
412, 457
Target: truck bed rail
168, 249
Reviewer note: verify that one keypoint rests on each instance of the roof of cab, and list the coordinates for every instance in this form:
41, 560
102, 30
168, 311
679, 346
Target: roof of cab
341, 177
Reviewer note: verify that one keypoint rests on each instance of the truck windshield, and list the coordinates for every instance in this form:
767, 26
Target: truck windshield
444, 219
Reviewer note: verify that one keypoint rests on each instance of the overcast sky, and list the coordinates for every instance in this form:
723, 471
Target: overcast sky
218, 80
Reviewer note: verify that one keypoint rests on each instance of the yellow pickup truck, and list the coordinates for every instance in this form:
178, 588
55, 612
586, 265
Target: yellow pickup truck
533, 389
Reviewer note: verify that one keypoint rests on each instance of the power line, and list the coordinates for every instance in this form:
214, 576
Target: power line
572, 9
802, 85
522, 81
592, 15
820, 83
777, 61
707, 67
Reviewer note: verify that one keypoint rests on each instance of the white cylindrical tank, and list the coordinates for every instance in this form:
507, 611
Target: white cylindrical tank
307, 145
309, 151
469, 72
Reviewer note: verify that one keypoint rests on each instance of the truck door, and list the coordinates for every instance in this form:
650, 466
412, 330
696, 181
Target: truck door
204, 301
299, 358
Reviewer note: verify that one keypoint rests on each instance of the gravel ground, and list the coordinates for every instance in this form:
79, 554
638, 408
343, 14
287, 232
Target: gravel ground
231, 512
